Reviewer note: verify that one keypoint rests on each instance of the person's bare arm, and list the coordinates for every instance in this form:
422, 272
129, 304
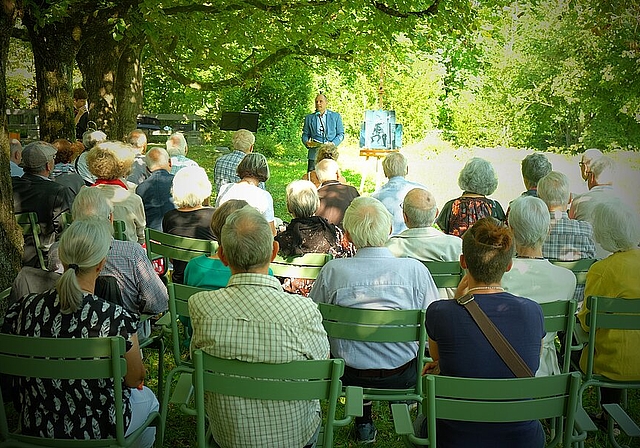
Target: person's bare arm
135, 369
432, 367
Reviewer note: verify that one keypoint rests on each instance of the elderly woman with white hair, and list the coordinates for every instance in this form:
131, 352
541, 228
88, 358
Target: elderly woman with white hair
191, 190
531, 275
308, 233
477, 179
617, 229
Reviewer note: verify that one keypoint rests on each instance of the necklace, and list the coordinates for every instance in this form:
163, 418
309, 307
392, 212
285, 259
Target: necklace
484, 288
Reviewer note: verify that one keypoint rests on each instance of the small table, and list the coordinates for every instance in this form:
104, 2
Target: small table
378, 154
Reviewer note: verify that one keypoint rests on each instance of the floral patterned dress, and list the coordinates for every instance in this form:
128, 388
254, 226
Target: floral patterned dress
459, 214
74, 409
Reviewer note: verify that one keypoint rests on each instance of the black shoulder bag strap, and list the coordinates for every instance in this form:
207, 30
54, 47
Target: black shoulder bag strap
497, 340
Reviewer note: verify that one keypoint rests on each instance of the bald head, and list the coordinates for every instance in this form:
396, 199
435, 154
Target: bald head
157, 159
16, 151
419, 208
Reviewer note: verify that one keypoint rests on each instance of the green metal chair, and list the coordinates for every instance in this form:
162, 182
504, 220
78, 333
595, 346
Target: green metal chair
560, 316
578, 267
173, 247
297, 380
358, 324
66, 359
28, 221
119, 227
445, 274
611, 313
494, 400
306, 266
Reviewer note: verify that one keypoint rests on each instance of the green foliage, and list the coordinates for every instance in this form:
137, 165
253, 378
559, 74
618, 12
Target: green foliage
20, 78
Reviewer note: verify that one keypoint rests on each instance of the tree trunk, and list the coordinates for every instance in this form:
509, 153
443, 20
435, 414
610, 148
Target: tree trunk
129, 88
10, 237
54, 49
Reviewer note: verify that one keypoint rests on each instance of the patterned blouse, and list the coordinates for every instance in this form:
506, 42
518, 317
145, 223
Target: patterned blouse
75, 409
459, 214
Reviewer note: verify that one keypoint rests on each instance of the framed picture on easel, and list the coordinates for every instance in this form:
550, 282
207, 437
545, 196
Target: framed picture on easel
380, 130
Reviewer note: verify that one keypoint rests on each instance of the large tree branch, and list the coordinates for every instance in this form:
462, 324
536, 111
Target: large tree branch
252, 72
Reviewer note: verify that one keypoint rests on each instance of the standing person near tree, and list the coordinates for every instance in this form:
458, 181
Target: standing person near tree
322, 126
80, 111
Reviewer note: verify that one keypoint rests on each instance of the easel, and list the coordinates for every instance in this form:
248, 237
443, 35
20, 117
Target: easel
377, 153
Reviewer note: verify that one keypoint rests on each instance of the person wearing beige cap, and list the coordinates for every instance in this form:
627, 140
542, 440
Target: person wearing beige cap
35, 192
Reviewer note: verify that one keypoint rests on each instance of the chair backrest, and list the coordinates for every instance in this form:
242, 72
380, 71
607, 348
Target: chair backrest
609, 313
176, 247
28, 222
306, 266
578, 267
501, 400
66, 218
367, 325
65, 359
119, 229
445, 274
560, 316
296, 380
179, 308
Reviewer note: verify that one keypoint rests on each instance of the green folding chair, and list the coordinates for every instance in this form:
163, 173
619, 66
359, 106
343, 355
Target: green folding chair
293, 381
611, 313
67, 359
306, 266
445, 274
560, 316
578, 267
119, 227
28, 222
494, 400
366, 325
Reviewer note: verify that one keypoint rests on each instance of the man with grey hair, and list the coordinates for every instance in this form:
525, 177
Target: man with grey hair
334, 196
421, 240
586, 159
534, 167
89, 139
374, 279
156, 190
252, 319
138, 140
226, 165
15, 158
35, 192
600, 180
141, 289
177, 149
392, 193
568, 239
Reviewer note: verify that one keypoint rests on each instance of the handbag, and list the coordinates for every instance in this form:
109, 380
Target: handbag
497, 340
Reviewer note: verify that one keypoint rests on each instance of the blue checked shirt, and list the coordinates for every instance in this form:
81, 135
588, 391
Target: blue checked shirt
225, 170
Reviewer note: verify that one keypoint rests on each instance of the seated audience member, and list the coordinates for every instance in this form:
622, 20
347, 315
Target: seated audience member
155, 191
225, 171
459, 348
586, 159
177, 149
374, 279
334, 196
191, 190
534, 167
477, 179
110, 162
64, 172
307, 233
283, 328
392, 193
617, 229
568, 239
325, 151
252, 170
209, 271
51, 408
139, 172
421, 240
15, 158
35, 192
531, 275
89, 139
141, 290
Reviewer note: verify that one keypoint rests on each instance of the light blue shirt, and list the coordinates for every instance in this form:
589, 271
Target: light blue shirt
374, 279
16, 170
391, 195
